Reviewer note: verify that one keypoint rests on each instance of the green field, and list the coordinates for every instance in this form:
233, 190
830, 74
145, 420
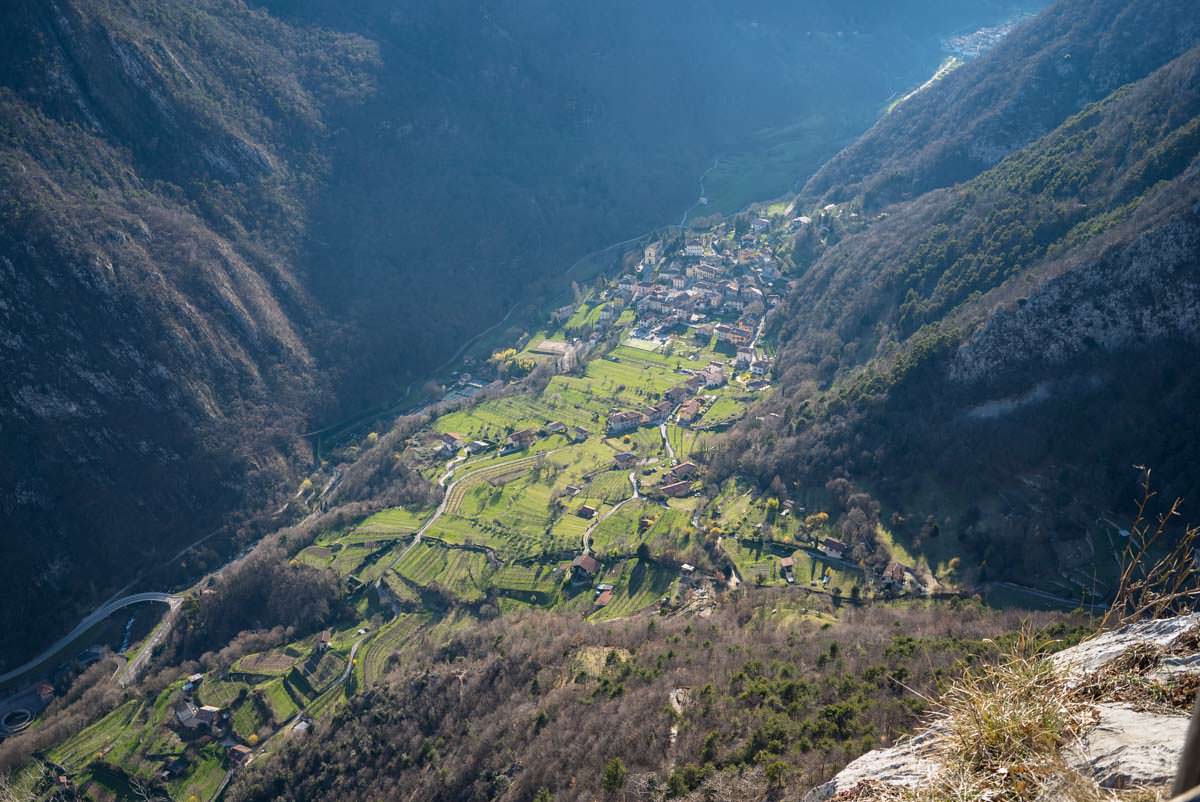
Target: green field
390, 639
395, 522
724, 409
460, 572
116, 730
637, 585
534, 583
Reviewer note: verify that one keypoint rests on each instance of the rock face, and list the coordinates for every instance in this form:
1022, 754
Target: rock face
1127, 746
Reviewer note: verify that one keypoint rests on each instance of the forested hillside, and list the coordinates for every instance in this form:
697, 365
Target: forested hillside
745, 705
1076, 53
989, 360
226, 224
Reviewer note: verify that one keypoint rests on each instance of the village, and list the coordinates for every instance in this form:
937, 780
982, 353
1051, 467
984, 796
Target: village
588, 495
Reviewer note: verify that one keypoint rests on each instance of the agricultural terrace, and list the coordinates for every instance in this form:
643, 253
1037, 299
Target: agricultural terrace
758, 563
459, 572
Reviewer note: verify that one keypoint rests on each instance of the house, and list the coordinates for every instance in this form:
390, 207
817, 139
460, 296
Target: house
479, 446
644, 524
579, 434
760, 225
744, 359
240, 755
787, 567
519, 441
572, 490
714, 376
626, 459
659, 412
732, 335
684, 470
192, 717
584, 567
833, 547
676, 489
622, 422
759, 367
687, 572
209, 715
604, 598
676, 394
586, 512
651, 253
690, 410
556, 427
454, 441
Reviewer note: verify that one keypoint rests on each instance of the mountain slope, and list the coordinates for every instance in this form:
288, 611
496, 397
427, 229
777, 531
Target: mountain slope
156, 344
225, 224
990, 359
1073, 54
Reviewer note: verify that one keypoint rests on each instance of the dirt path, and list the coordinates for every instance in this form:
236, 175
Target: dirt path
587, 533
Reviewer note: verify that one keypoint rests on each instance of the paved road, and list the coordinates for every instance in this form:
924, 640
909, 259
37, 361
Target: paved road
89, 621
662, 429
1070, 604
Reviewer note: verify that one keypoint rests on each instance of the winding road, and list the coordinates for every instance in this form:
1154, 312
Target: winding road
89, 621
587, 533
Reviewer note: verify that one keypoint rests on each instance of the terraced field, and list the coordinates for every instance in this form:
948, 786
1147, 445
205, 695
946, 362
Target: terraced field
246, 718
460, 572
618, 534
389, 640
280, 702
100, 738
609, 487
537, 583
638, 585
321, 669
274, 663
687, 442
393, 523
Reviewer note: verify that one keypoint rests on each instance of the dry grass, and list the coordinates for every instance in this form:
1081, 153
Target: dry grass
1003, 733
1160, 577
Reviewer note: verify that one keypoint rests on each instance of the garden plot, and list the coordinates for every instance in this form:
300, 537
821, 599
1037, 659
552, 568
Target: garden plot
274, 663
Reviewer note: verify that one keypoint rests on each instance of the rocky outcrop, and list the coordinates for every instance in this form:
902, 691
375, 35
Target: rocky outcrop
1133, 742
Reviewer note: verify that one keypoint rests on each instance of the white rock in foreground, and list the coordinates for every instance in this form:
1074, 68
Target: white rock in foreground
1126, 747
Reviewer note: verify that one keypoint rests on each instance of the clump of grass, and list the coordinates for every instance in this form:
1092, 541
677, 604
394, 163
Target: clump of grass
1009, 714
1002, 734
1003, 730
